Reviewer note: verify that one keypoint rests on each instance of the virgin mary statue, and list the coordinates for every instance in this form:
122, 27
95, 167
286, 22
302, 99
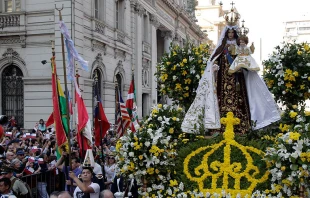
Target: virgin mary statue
244, 93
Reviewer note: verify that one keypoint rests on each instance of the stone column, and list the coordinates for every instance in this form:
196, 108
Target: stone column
155, 24
138, 14
167, 40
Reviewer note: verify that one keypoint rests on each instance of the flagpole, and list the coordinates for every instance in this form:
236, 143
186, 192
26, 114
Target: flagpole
118, 106
100, 124
66, 86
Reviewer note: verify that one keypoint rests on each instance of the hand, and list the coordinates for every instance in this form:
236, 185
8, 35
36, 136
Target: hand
72, 175
68, 182
19, 175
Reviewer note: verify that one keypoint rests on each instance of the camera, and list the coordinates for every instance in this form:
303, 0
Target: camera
4, 119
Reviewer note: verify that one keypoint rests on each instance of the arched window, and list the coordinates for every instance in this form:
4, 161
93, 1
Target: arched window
12, 87
119, 84
96, 86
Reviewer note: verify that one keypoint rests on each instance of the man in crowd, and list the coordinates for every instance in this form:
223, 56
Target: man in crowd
18, 187
5, 188
75, 164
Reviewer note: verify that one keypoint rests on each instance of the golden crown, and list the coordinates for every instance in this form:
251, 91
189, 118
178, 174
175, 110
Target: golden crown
219, 171
242, 31
232, 17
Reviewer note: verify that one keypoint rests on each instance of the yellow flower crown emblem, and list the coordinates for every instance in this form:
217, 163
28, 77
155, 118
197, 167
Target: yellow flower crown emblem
225, 169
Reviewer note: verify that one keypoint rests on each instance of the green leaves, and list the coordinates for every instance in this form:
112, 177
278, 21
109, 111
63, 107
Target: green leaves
179, 72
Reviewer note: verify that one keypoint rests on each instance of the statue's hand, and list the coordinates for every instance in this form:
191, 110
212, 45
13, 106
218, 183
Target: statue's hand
252, 47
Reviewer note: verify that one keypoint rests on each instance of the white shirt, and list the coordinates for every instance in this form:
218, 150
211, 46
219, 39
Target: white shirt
79, 194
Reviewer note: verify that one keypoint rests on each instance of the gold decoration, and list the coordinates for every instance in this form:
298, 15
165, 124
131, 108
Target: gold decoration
232, 17
225, 169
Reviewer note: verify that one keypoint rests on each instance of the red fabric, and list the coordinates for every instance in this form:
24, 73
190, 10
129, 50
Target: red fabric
50, 120
105, 125
60, 131
83, 118
1, 131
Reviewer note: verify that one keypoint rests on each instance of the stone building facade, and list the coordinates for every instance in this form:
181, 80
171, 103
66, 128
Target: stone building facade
116, 37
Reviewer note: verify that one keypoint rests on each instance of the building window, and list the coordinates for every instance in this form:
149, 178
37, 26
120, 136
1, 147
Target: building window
99, 9
10, 5
119, 83
96, 88
304, 28
119, 14
12, 93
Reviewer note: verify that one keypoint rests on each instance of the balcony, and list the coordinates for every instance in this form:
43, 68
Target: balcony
120, 36
99, 27
9, 20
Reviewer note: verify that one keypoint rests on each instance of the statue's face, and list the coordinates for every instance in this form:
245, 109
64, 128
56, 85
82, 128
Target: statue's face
231, 34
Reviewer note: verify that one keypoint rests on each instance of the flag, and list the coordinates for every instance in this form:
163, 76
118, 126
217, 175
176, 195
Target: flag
100, 118
72, 53
70, 104
59, 109
132, 107
50, 120
123, 119
84, 135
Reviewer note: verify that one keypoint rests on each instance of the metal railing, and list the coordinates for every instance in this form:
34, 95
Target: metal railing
44, 182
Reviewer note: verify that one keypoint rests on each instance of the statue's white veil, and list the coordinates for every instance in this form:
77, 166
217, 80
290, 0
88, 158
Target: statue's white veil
204, 111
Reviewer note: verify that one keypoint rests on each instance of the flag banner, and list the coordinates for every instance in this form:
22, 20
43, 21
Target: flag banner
72, 52
59, 109
50, 120
84, 135
123, 118
132, 107
102, 124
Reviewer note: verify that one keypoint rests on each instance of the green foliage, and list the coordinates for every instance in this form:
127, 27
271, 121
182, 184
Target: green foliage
179, 72
287, 73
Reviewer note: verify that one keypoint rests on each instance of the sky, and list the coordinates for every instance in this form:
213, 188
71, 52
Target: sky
265, 20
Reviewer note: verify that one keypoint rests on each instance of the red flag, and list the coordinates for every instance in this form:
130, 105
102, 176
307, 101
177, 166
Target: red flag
84, 136
50, 120
105, 125
59, 111
132, 107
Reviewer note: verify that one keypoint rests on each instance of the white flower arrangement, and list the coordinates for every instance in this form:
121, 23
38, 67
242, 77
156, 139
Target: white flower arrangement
289, 161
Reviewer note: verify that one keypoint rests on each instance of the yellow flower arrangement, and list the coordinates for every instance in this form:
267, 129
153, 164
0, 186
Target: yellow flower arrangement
182, 66
226, 168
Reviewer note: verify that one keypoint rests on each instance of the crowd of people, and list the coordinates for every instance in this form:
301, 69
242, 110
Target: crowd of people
35, 153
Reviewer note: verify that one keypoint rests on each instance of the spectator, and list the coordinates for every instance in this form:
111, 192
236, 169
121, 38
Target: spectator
106, 194
75, 164
18, 187
12, 123
9, 156
16, 165
54, 194
45, 167
110, 168
41, 126
64, 194
86, 186
5, 188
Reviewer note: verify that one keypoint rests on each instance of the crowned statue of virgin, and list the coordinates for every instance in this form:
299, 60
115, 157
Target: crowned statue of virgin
243, 92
